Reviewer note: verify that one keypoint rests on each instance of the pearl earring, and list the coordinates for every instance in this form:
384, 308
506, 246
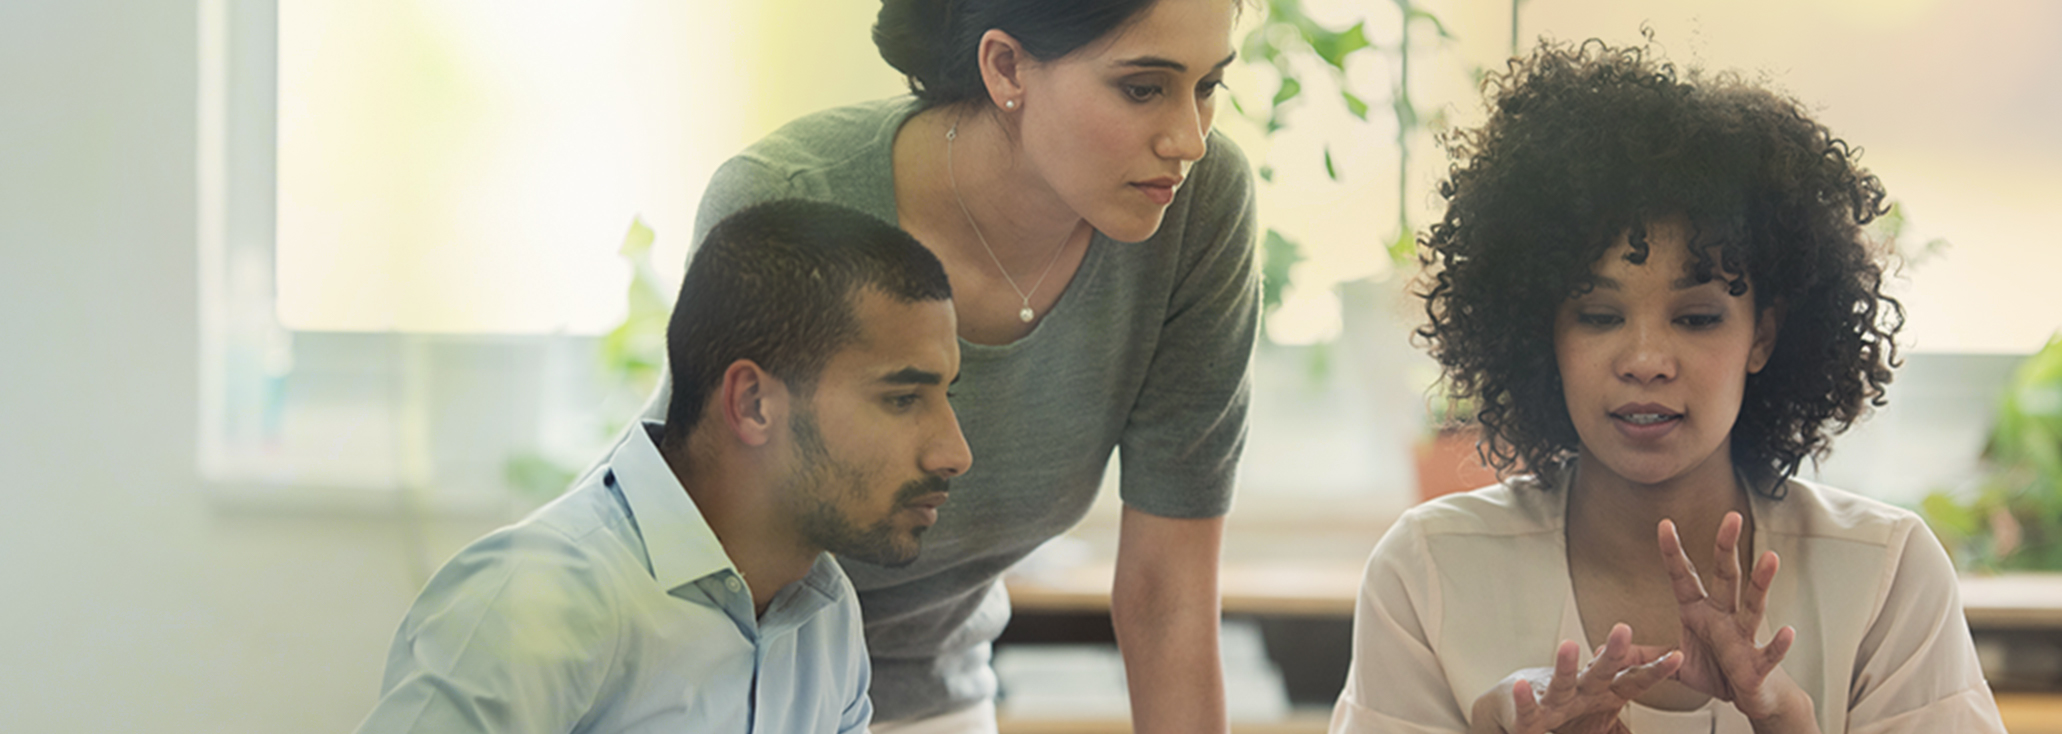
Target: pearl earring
1009, 104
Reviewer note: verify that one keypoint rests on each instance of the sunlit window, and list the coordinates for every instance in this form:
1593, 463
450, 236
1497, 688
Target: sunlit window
471, 166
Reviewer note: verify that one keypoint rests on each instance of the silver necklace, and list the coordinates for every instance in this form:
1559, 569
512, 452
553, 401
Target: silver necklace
1026, 314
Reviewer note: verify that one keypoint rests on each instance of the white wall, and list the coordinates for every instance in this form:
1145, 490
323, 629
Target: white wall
129, 601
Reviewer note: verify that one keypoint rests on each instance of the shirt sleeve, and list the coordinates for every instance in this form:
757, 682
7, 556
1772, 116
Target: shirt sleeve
1186, 431
1916, 670
1396, 683
514, 635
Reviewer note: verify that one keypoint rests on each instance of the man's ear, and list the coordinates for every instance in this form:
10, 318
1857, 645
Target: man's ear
1766, 327
753, 401
1001, 58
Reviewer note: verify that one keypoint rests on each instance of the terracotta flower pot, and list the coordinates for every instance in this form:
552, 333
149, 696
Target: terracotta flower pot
1447, 463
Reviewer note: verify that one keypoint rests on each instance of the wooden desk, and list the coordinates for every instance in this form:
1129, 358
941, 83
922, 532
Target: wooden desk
2029, 713
1328, 588
2024, 713
1299, 589
2017, 601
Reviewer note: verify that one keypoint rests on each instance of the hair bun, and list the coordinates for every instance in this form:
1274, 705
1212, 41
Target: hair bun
911, 35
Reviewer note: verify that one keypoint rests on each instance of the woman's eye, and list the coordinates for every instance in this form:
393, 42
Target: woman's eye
1597, 319
1141, 92
1701, 320
1209, 88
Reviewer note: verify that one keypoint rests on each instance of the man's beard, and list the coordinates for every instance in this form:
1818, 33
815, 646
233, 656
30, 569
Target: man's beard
813, 495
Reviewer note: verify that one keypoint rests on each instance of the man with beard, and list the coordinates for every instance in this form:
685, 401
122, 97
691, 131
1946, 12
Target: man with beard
686, 584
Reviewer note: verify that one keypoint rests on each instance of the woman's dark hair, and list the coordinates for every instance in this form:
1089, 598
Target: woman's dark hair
935, 42
776, 283
1587, 143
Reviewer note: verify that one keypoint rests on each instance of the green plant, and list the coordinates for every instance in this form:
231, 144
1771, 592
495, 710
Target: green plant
2012, 520
631, 357
1287, 34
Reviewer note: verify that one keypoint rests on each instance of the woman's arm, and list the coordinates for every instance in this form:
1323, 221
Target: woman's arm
1396, 682
1164, 607
1916, 670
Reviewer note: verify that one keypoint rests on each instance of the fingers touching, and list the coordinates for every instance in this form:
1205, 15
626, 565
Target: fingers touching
1619, 672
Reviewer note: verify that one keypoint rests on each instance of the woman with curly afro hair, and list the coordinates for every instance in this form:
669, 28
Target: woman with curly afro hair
1655, 288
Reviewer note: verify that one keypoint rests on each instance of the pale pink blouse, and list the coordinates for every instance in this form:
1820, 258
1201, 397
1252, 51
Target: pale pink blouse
1467, 588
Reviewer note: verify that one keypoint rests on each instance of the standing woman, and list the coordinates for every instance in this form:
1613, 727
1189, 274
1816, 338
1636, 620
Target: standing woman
1058, 157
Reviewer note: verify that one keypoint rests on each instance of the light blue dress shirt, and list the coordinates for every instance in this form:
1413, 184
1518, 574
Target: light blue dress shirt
614, 609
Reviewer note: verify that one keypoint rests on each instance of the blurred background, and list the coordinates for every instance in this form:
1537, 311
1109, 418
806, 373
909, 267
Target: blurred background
302, 295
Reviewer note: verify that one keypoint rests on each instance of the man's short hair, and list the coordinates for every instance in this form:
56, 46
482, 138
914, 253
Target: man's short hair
776, 283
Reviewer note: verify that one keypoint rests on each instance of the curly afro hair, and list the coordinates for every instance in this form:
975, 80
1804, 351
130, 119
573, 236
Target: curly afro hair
1589, 142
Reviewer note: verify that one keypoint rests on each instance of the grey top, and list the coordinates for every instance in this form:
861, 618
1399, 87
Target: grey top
1147, 350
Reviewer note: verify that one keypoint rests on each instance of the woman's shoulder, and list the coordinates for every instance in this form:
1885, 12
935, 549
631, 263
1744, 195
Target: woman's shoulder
1517, 506
1810, 509
827, 136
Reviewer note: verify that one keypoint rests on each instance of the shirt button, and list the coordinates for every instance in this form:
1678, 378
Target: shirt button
733, 584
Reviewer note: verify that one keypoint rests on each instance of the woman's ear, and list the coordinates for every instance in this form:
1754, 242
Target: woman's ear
1766, 327
1002, 61
753, 401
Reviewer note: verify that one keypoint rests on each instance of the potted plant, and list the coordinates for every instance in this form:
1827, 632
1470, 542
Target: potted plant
2010, 517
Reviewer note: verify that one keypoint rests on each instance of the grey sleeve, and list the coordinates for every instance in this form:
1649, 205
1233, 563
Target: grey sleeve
1184, 436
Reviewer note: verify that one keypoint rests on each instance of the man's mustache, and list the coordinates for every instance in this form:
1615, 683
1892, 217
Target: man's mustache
917, 489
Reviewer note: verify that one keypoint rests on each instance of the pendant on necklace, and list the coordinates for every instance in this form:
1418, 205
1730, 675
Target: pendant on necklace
1025, 314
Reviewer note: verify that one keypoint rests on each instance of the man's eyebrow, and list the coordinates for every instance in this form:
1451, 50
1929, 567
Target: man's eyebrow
1162, 62
913, 376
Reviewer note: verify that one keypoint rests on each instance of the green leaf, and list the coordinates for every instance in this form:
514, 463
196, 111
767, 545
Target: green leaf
1266, 173
1404, 249
1335, 47
1331, 171
1288, 91
1277, 255
1355, 105
1406, 113
637, 241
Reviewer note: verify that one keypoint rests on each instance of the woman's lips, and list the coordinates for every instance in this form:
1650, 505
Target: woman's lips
1645, 420
1160, 190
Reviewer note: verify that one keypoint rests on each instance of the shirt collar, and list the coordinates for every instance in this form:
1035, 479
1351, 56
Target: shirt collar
677, 540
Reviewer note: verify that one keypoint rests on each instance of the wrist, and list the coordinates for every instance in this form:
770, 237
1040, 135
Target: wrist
1794, 712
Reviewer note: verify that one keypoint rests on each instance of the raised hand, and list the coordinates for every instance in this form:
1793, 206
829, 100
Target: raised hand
1720, 658
1567, 701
